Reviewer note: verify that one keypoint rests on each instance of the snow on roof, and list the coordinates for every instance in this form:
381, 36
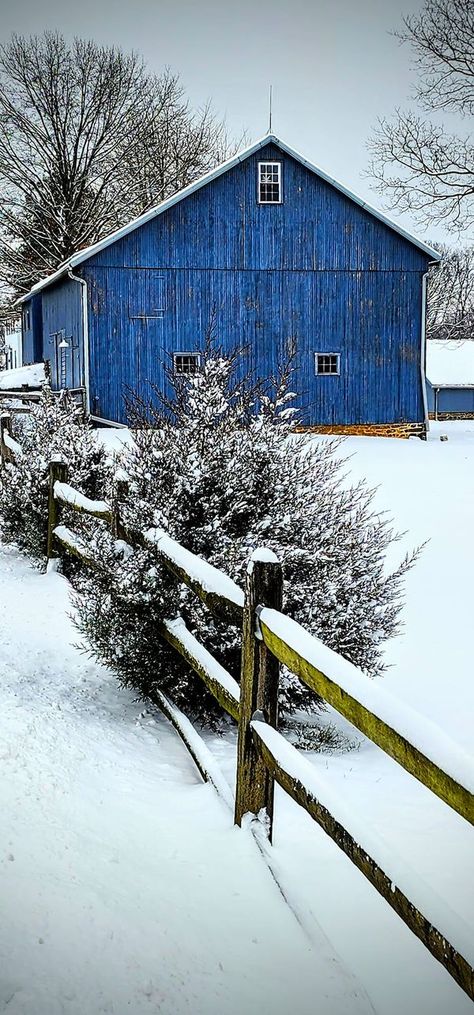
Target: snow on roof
450, 364
33, 376
95, 248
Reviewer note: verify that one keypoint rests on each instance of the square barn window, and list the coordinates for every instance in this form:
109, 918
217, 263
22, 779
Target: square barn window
327, 363
269, 182
186, 362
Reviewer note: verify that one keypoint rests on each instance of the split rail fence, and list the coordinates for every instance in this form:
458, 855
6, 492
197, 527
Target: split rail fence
264, 756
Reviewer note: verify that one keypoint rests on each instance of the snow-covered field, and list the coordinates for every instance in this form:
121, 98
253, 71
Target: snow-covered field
124, 886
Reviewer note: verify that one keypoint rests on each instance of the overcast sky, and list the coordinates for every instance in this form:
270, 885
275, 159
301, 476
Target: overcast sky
334, 66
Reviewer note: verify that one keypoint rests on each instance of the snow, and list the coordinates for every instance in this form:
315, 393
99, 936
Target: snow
124, 885
12, 444
120, 476
74, 542
127, 867
428, 488
263, 554
201, 655
114, 438
413, 726
452, 926
208, 577
32, 375
450, 363
67, 494
206, 761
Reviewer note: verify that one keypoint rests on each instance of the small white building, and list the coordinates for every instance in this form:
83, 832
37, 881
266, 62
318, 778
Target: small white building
450, 379
11, 355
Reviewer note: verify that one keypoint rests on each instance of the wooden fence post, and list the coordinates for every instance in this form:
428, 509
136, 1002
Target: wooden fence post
57, 471
120, 494
258, 687
5, 427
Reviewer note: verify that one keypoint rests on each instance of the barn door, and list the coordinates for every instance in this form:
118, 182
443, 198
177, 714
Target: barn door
146, 310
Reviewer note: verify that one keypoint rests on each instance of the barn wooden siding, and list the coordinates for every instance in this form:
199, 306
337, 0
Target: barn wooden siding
32, 349
316, 273
54, 314
62, 318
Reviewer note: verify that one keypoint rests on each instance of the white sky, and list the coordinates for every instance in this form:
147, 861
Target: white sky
333, 66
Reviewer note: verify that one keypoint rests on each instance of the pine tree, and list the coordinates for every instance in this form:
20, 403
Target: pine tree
55, 426
220, 469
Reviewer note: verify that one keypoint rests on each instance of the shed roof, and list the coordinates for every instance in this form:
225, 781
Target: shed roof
95, 248
450, 364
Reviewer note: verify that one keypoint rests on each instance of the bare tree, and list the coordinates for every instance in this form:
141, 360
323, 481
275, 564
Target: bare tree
178, 146
450, 306
88, 139
423, 167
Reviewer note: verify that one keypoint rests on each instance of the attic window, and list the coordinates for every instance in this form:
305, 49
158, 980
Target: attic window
269, 182
186, 362
327, 363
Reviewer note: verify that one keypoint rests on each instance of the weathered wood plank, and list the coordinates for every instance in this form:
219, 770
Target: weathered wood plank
120, 493
57, 473
5, 430
19, 409
259, 677
79, 502
75, 545
198, 749
26, 396
12, 445
221, 684
219, 593
457, 966
397, 746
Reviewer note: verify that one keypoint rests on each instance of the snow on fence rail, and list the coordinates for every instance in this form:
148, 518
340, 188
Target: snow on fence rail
12, 445
68, 495
264, 755
420, 747
220, 594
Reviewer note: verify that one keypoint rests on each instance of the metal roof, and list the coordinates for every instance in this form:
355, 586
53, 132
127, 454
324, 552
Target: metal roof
95, 248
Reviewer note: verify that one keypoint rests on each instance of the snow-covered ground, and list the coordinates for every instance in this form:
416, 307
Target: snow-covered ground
32, 375
124, 886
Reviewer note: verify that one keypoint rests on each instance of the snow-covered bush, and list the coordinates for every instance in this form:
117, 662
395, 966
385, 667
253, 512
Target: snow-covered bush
220, 469
55, 426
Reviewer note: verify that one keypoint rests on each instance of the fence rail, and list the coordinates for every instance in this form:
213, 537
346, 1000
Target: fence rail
269, 639
30, 396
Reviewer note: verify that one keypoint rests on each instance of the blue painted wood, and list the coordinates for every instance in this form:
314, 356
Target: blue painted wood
430, 398
62, 321
315, 274
31, 325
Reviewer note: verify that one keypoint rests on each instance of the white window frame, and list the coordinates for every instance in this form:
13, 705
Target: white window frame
270, 162
186, 373
328, 373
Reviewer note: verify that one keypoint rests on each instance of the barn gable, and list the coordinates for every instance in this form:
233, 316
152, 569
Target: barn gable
223, 226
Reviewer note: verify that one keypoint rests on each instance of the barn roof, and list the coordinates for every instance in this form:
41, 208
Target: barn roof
450, 364
87, 252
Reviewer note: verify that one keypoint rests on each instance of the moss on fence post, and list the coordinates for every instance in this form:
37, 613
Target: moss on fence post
57, 472
258, 687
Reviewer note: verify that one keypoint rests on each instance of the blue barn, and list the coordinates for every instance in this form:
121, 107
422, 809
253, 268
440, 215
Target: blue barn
284, 260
